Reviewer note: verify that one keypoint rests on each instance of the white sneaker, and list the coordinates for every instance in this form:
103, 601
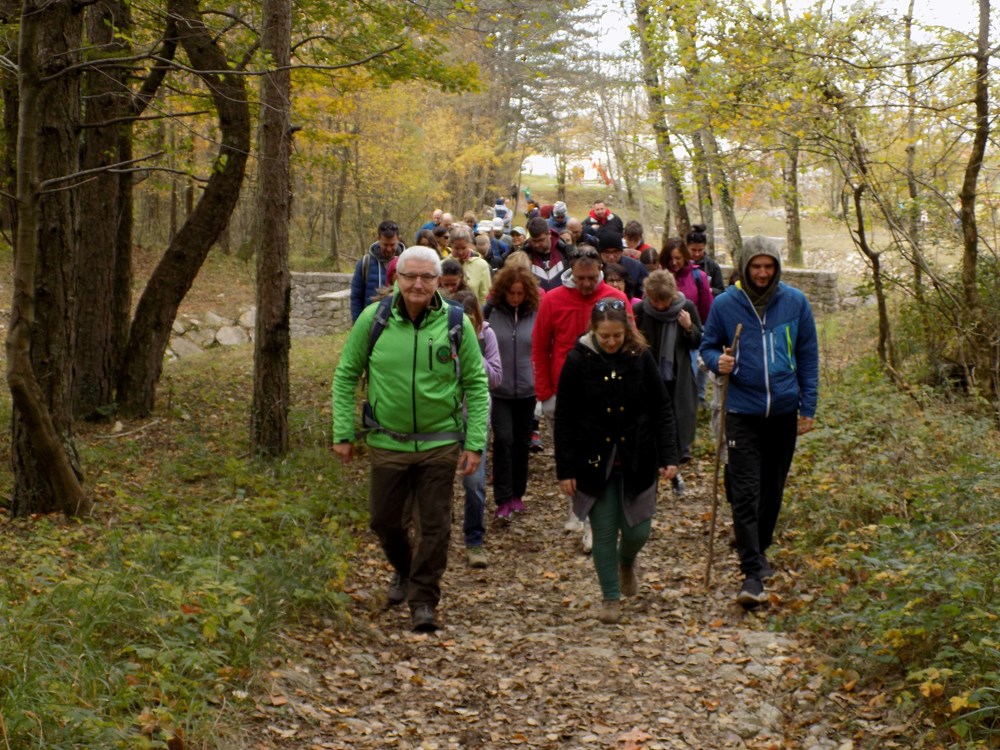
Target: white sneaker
573, 523
588, 538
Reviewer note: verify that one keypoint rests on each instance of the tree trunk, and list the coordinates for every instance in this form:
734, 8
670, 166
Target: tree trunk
793, 222
339, 203
104, 270
177, 269
967, 196
725, 197
40, 338
269, 414
673, 192
705, 205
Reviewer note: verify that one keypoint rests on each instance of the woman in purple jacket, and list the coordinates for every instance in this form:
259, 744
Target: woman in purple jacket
691, 280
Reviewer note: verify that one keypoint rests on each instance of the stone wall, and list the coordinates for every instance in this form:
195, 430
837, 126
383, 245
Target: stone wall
321, 303
819, 286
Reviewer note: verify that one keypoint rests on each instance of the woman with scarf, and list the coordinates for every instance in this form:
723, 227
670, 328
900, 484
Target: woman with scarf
670, 323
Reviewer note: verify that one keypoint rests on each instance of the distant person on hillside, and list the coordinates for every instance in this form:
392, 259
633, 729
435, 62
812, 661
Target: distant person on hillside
371, 271
771, 398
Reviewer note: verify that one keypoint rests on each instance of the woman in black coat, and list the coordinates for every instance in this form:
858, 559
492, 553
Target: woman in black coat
615, 437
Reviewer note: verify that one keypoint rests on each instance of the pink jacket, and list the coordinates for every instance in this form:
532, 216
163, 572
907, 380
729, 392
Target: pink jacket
699, 293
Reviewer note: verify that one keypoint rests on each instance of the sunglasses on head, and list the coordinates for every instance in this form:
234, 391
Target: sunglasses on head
609, 303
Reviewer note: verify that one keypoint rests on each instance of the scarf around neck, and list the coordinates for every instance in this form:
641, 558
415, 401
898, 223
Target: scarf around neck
668, 332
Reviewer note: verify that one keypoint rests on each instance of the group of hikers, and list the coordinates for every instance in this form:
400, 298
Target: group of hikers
483, 329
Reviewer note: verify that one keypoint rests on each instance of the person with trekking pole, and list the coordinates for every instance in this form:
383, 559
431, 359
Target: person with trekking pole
772, 392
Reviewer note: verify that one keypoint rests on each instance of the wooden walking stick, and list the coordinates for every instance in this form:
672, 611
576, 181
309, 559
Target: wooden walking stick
719, 443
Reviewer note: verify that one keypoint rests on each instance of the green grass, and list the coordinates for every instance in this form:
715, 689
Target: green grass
892, 518
151, 619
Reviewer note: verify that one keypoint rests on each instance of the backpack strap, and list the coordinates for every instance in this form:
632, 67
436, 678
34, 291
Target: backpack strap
456, 320
366, 262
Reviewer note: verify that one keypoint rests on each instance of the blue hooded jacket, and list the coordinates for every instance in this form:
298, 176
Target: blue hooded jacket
777, 360
362, 289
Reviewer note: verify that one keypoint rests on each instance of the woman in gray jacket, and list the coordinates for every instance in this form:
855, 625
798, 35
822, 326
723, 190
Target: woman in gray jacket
514, 305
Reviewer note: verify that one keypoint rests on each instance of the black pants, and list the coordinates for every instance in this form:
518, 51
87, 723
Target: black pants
512, 420
760, 454
427, 479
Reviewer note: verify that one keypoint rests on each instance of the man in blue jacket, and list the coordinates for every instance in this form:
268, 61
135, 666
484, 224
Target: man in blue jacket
370, 271
771, 398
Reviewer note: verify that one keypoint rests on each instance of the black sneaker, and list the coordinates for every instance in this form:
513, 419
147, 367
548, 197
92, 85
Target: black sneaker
423, 619
751, 594
536, 442
396, 593
766, 571
678, 485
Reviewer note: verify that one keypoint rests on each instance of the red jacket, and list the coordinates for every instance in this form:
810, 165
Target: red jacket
563, 317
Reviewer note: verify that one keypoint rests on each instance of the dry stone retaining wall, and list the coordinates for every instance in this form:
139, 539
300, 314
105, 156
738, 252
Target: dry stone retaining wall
321, 305
819, 286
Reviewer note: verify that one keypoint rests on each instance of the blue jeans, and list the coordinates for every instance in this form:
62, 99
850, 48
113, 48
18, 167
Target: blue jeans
475, 500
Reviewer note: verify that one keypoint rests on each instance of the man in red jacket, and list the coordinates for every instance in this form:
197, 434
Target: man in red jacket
563, 317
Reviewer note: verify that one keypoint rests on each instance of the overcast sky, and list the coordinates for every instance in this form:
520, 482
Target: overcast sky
961, 15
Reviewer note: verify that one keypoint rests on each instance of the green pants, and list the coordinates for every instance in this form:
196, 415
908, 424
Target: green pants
607, 520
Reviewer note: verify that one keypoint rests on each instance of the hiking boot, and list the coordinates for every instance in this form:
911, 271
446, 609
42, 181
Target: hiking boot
588, 538
536, 442
629, 579
477, 557
503, 513
679, 486
573, 523
610, 612
516, 505
751, 594
396, 593
423, 619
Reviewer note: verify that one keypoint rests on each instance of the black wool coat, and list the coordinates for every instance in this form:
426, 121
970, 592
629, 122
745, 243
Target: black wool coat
611, 403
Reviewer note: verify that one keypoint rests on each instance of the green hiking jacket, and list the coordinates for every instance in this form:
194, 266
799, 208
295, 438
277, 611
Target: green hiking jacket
412, 386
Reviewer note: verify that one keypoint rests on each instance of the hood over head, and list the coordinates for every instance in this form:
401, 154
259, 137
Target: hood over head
753, 247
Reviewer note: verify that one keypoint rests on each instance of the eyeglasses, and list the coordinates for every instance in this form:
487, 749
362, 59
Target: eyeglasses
609, 303
426, 277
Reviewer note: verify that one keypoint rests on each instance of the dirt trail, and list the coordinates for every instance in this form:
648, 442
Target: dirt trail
521, 661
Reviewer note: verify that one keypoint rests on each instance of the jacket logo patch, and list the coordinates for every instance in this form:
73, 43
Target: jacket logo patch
732, 443
443, 354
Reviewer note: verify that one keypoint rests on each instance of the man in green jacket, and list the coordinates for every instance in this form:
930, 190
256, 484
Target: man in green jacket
418, 376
